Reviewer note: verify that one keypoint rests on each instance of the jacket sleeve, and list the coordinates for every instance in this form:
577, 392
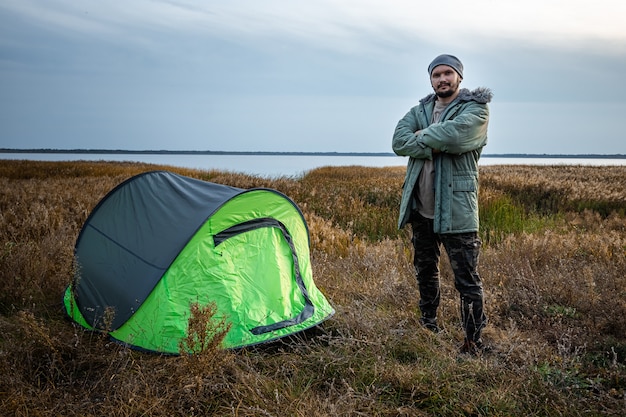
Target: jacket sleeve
465, 132
405, 142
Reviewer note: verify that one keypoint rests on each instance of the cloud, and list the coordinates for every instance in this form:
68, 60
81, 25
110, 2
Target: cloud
323, 75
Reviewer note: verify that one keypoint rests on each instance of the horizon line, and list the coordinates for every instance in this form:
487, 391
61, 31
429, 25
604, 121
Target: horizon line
293, 153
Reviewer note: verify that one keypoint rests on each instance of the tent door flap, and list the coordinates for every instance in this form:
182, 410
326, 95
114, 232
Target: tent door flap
308, 309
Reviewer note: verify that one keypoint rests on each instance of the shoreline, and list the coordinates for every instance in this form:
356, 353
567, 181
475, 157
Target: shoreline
273, 153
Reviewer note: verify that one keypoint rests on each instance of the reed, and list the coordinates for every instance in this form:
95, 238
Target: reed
553, 265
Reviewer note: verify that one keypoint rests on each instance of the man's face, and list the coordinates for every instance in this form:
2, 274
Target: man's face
445, 81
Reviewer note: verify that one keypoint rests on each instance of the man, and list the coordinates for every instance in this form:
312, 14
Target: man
443, 137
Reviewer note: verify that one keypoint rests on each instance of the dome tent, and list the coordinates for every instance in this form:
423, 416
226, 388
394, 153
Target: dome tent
159, 242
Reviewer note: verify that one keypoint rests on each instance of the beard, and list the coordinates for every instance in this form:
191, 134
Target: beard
445, 94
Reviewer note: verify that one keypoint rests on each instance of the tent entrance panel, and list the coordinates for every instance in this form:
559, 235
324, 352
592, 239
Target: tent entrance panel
265, 268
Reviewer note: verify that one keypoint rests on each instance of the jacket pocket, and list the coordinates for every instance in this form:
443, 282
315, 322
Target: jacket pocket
464, 184
464, 207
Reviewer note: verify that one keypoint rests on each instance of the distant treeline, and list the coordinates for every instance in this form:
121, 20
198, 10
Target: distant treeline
182, 152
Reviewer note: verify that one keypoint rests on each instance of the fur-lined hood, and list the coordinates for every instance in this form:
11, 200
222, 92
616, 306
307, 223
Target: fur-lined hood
482, 95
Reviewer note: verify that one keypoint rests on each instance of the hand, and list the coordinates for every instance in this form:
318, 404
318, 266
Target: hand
417, 132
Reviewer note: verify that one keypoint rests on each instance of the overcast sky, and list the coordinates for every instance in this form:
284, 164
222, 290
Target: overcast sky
296, 75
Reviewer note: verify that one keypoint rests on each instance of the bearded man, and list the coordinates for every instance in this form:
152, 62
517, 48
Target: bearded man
443, 136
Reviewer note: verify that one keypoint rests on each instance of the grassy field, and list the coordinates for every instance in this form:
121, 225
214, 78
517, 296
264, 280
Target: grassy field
553, 264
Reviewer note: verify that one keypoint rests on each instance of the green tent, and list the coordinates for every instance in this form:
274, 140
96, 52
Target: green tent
160, 242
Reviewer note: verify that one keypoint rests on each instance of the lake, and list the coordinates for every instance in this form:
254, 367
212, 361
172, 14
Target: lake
283, 165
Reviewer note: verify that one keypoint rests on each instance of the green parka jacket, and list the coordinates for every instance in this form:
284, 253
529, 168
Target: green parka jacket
459, 136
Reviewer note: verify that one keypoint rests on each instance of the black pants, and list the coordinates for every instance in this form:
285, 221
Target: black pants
463, 250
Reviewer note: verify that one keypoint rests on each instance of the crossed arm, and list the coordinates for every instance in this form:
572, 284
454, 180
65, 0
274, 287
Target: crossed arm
465, 132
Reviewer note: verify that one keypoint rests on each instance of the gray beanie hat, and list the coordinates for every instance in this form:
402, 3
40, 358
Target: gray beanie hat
449, 60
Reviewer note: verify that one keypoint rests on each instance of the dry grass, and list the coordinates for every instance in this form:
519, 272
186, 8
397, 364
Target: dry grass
554, 188
554, 267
